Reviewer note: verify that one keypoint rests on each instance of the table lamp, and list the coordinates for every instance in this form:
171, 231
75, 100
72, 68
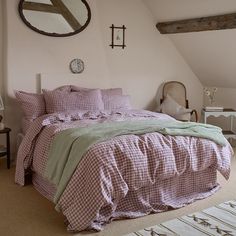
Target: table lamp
1, 109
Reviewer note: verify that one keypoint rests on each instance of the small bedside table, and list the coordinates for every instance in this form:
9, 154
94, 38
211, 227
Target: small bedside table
6, 150
227, 112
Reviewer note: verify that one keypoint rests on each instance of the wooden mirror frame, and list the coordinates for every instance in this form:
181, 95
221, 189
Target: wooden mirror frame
20, 9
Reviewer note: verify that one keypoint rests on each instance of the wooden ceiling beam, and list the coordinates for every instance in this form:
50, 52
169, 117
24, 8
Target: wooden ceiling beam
65, 12
219, 22
34, 6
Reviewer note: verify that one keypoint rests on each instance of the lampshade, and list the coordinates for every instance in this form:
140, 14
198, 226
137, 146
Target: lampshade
1, 104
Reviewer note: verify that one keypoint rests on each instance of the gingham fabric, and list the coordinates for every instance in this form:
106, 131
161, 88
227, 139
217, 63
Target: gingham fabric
43, 186
111, 97
115, 102
25, 124
66, 88
127, 176
110, 91
61, 101
32, 104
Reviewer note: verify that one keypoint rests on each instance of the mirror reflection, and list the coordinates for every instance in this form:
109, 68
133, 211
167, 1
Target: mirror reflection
55, 17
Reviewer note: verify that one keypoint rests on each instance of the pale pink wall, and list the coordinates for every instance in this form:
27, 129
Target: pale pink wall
149, 59
140, 69
210, 54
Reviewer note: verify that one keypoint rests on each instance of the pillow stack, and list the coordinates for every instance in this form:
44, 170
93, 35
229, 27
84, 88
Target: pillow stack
112, 98
71, 98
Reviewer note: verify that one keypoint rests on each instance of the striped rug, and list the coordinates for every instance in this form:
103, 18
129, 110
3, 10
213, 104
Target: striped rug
217, 220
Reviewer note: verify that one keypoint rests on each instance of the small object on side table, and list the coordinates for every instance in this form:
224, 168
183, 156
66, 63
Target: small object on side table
2, 126
5, 151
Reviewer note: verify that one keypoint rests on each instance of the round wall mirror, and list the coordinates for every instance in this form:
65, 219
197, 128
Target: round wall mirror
58, 18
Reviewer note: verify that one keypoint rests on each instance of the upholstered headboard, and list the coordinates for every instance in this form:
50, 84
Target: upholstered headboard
52, 81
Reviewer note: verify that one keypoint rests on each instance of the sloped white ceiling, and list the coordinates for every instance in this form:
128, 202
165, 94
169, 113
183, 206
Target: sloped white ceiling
210, 54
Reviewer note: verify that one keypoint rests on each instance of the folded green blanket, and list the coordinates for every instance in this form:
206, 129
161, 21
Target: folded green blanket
70, 145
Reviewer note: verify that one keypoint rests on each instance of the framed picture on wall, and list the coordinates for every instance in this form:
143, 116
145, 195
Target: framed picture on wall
118, 36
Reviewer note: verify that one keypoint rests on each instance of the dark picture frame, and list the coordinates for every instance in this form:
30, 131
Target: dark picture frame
118, 36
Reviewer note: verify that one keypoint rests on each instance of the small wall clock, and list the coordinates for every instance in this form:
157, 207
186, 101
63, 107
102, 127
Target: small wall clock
76, 66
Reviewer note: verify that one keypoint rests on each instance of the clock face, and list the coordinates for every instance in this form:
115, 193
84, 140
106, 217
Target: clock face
76, 66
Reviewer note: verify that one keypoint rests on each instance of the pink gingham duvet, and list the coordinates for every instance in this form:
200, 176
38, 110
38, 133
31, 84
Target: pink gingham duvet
127, 176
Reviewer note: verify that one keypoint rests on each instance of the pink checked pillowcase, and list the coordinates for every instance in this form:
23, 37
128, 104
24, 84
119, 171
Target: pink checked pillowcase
110, 91
25, 124
117, 102
63, 101
64, 88
112, 98
32, 104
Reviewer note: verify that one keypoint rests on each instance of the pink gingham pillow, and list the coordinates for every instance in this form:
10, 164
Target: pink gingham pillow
109, 92
25, 124
64, 88
117, 102
77, 89
32, 104
63, 101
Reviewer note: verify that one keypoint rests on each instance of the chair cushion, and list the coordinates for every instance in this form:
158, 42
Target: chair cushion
171, 107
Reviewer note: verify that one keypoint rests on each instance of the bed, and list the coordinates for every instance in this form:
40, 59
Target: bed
126, 176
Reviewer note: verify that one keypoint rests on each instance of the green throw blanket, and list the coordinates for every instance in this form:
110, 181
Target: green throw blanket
70, 145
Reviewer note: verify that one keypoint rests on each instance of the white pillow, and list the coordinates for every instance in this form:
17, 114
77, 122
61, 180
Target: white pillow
170, 107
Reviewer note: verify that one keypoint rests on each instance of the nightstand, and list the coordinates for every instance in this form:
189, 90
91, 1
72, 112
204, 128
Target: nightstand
227, 112
5, 151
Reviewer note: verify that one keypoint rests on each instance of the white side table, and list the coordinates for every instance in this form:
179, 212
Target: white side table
226, 113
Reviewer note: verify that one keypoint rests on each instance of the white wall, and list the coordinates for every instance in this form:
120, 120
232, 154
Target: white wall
168, 10
210, 54
225, 97
147, 61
